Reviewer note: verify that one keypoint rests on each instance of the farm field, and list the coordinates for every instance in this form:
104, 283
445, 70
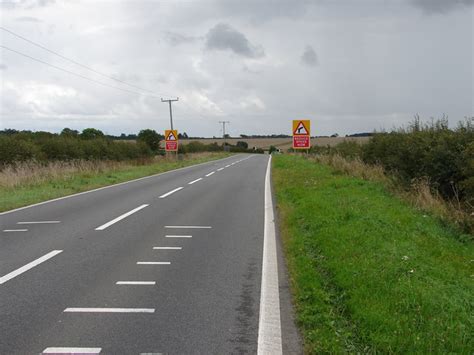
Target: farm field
281, 143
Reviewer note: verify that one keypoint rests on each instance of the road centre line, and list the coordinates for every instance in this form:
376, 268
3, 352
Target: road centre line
188, 227
220, 169
28, 266
227, 166
194, 181
110, 186
210, 173
151, 283
167, 248
72, 351
178, 236
269, 324
171, 192
109, 310
39, 222
119, 218
15, 230
153, 263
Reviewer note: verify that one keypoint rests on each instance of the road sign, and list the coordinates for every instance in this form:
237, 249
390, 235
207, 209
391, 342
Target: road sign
301, 134
171, 140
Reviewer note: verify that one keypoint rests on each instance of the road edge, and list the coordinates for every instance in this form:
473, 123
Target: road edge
269, 325
109, 186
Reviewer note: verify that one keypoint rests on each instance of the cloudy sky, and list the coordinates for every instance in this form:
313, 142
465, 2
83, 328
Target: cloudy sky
349, 66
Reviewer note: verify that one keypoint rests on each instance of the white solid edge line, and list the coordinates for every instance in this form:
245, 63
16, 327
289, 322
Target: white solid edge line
269, 324
194, 181
171, 192
151, 283
28, 266
109, 310
167, 248
72, 351
210, 173
39, 222
119, 218
188, 227
110, 186
153, 263
15, 230
178, 236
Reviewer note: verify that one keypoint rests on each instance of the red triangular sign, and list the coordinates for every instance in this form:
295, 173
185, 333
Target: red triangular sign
301, 129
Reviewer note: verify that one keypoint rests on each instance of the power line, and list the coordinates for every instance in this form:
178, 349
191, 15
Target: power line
75, 74
77, 63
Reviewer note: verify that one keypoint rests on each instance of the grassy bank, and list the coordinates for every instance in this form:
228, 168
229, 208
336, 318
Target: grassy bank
31, 183
369, 272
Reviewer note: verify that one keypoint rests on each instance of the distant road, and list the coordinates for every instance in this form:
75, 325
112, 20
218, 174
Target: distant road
165, 264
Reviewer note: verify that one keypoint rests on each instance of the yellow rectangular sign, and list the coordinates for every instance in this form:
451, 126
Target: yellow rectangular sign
301, 127
171, 140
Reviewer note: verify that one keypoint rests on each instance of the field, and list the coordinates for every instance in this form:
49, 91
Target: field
370, 273
281, 143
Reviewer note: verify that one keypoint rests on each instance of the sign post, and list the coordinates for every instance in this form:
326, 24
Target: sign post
171, 140
301, 134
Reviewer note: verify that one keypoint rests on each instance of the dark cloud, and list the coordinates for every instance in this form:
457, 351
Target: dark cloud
224, 37
175, 39
309, 57
441, 6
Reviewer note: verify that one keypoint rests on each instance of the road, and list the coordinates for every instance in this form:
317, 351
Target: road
168, 264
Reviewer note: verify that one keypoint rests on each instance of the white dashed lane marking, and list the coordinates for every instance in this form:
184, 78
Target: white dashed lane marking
210, 173
178, 236
171, 192
153, 263
28, 266
150, 283
119, 218
194, 181
167, 248
15, 230
72, 351
109, 310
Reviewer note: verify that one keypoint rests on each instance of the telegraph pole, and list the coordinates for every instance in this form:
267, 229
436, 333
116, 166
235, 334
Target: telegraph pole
223, 130
171, 111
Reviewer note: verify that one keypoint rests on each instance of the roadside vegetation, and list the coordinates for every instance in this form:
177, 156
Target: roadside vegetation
31, 182
430, 164
370, 273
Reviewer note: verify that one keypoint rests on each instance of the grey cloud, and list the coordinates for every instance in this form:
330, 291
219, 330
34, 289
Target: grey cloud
28, 19
175, 39
224, 37
3, 67
309, 57
441, 6
28, 4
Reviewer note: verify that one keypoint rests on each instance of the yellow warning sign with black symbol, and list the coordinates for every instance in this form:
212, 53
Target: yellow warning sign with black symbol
171, 140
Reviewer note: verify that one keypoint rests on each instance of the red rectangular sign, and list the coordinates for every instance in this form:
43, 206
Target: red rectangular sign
171, 145
301, 142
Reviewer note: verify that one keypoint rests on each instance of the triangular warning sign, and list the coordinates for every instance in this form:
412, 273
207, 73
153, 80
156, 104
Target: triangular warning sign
301, 129
171, 137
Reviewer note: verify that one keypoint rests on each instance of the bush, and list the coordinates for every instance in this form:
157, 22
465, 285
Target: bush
151, 138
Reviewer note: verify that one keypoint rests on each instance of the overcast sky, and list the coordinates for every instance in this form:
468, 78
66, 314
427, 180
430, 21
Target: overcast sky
349, 66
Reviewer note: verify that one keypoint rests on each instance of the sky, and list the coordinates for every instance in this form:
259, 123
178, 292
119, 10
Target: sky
348, 66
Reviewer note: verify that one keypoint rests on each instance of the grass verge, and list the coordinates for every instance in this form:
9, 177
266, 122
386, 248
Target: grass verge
58, 180
369, 272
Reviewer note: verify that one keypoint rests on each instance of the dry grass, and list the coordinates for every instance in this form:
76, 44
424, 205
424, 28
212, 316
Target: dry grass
420, 194
34, 173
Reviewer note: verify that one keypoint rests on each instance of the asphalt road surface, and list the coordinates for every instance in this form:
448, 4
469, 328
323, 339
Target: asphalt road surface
169, 264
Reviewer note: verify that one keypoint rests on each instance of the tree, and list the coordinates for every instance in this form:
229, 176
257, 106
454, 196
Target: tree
242, 144
67, 132
150, 138
91, 133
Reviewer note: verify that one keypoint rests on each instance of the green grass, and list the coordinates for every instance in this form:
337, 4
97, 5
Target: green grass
369, 273
11, 198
